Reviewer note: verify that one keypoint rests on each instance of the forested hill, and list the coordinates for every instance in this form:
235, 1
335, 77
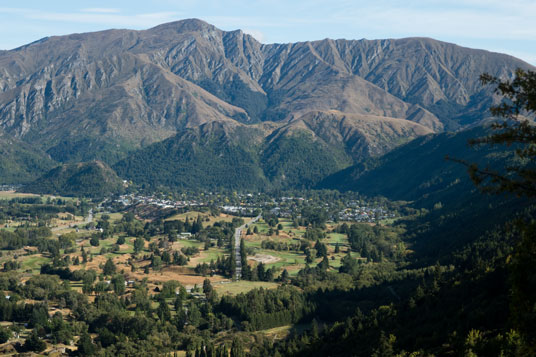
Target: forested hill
420, 173
91, 179
419, 170
20, 162
268, 155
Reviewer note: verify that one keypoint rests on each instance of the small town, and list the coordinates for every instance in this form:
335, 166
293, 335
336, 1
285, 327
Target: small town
248, 205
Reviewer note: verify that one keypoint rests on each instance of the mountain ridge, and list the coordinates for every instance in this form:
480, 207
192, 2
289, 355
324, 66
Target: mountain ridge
106, 94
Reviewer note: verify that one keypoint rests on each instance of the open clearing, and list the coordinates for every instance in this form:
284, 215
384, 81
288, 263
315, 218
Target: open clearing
242, 286
264, 258
208, 219
8, 195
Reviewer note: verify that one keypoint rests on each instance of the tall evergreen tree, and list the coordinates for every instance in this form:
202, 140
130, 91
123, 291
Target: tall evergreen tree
237, 349
109, 267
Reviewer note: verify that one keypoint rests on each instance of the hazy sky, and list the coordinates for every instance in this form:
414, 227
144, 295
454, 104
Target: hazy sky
507, 26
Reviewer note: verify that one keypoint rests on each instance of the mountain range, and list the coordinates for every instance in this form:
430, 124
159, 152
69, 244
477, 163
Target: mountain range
192, 101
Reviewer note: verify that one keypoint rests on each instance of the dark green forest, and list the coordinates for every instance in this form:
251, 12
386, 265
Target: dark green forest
91, 179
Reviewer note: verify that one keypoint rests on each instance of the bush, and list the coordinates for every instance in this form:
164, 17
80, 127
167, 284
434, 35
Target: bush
94, 241
5, 334
34, 343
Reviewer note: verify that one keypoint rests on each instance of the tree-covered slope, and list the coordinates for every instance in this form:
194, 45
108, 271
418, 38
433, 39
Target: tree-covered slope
90, 179
19, 162
456, 211
419, 169
216, 155
298, 154
299, 161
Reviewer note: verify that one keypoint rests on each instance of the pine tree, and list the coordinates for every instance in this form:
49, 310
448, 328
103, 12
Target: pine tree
237, 350
324, 264
284, 276
261, 274
85, 345
163, 311
109, 267
208, 290
118, 284
243, 254
519, 179
308, 256
314, 329
84, 255
34, 343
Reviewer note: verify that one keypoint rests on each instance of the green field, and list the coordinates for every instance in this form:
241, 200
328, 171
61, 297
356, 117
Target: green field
34, 262
283, 331
8, 195
388, 221
262, 227
114, 217
242, 286
291, 260
184, 243
334, 238
208, 219
211, 254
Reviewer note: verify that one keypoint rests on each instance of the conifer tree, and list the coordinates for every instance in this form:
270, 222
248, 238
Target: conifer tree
517, 109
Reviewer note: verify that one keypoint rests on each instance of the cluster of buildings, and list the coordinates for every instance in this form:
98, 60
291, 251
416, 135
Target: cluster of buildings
364, 214
128, 200
238, 210
250, 204
10, 187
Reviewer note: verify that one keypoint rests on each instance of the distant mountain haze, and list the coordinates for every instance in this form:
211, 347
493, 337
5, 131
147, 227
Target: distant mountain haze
110, 95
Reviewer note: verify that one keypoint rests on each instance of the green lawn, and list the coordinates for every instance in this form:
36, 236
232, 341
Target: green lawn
242, 286
105, 243
129, 241
283, 331
298, 232
184, 243
388, 221
34, 262
253, 244
8, 195
334, 238
286, 224
286, 258
114, 217
262, 227
212, 254
336, 263
192, 215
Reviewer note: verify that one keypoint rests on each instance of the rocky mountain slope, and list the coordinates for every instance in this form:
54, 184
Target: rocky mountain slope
104, 94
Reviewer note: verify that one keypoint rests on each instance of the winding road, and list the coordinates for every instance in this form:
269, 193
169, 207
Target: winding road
238, 233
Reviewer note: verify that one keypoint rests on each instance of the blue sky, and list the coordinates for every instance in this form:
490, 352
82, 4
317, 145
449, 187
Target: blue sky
507, 26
